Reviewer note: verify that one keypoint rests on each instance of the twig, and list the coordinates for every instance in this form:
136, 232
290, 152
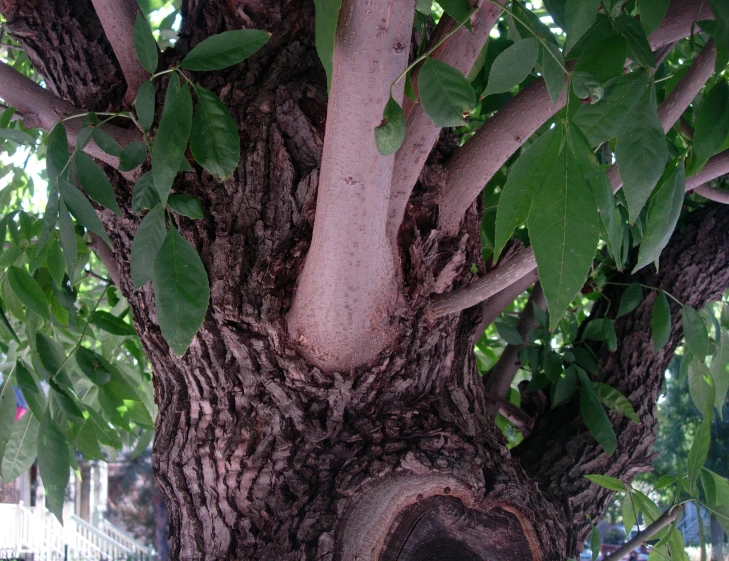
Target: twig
511, 412
641, 537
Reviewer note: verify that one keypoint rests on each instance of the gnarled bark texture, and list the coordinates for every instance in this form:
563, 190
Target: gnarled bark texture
260, 455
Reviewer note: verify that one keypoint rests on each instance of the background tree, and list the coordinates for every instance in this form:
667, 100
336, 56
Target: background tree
318, 272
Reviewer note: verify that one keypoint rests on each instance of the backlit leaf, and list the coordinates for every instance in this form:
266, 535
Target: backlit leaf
701, 385
613, 399
28, 291
695, 332
607, 482
20, 450
698, 452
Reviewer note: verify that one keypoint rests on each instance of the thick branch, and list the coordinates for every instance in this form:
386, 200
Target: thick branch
460, 51
498, 380
117, 18
642, 537
716, 167
493, 306
713, 194
509, 272
476, 163
343, 307
40, 108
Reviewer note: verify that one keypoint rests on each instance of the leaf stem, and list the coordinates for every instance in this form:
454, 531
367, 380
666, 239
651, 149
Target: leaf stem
649, 287
83, 332
153, 76
536, 36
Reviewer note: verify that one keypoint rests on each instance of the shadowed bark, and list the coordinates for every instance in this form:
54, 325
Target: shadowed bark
258, 453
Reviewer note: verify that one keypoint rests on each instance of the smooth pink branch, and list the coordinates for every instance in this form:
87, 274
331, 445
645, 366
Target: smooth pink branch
40, 108
713, 194
347, 292
117, 17
716, 167
460, 51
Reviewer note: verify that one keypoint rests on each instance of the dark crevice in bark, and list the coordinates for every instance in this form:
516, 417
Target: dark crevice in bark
694, 267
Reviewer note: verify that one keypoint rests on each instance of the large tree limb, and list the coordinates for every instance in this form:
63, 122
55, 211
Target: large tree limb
460, 51
348, 290
40, 108
561, 450
713, 194
473, 166
669, 112
117, 18
493, 306
716, 167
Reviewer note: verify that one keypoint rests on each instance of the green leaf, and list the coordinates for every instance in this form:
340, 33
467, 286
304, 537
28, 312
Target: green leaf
7, 411
522, 183
106, 143
32, 392
564, 229
701, 385
82, 210
720, 371
145, 195
172, 134
20, 450
716, 488
512, 66
144, 105
132, 156
57, 154
595, 417
695, 332
664, 208
605, 59
28, 291
17, 136
712, 125
6, 323
553, 71
602, 121
50, 216
660, 322
601, 329
556, 9
601, 190
638, 44
214, 137
564, 389
53, 464
225, 49
390, 134
508, 333
630, 299
87, 441
459, 10
721, 33
607, 482
651, 14
111, 323
595, 542
579, 16
186, 206
325, 23
94, 182
641, 153
698, 452
181, 291
68, 240
445, 93
146, 245
145, 45
628, 511
613, 399
664, 481
92, 366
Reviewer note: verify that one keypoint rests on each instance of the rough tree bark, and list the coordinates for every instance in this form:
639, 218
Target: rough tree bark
261, 455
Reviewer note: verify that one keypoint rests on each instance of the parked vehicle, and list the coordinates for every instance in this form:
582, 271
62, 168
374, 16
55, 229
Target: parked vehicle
586, 554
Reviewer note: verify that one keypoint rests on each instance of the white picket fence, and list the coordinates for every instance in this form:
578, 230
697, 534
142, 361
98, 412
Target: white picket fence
34, 534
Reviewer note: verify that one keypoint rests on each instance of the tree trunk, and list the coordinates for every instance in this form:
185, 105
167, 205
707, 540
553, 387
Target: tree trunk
260, 455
